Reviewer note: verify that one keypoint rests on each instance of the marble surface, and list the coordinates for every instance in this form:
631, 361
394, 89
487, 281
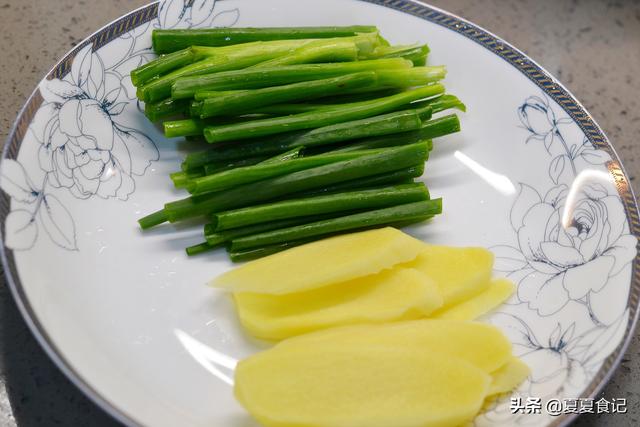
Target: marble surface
592, 46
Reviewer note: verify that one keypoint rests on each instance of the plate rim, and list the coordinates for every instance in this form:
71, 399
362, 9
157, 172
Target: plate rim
545, 80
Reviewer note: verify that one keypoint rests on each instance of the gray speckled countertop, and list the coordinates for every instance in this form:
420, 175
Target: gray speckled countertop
592, 46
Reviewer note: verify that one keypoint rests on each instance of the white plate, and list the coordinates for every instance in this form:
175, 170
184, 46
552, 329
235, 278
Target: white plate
127, 316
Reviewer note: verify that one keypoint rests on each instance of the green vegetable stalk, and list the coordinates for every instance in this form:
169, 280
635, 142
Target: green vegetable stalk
331, 203
166, 41
388, 160
386, 124
378, 217
325, 117
255, 78
240, 102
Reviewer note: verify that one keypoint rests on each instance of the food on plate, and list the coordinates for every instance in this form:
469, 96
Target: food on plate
292, 114
460, 273
391, 295
413, 373
315, 178
321, 204
508, 376
167, 41
334, 386
287, 294
499, 291
371, 344
491, 349
315, 138
314, 119
324, 262
402, 214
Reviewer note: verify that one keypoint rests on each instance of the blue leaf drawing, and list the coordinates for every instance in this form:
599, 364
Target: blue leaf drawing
14, 182
171, 12
57, 91
118, 108
20, 230
526, 199
556, 168
595, 157
227, 18
508, 258
594, 346
202, 13
57, 222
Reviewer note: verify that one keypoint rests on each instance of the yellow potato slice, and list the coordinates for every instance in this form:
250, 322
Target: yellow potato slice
508, 377
391, 295
329, 385
498, 292
459, 273
325, 262
480, 344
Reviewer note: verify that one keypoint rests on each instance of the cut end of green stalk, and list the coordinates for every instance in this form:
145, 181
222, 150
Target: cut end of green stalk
199, 248
211, 227
182, 178
429, 144
151, 115
135, 79
435, 207
425, 112
186, 127
153, 219
440, 126
191, 186
420, 58
164, 109
179, 179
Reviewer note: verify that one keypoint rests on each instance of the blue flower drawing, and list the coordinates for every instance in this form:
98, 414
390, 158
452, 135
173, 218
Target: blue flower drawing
541, 121
83, 146
87, 140
569, 257
573, 237
566, 252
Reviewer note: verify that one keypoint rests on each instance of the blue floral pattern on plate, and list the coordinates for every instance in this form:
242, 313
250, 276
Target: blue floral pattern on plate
84, 147
571, 256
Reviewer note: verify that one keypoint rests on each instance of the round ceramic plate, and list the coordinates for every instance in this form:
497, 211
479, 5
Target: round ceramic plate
127, 316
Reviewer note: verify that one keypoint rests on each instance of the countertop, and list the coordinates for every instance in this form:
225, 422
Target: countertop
592, 46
